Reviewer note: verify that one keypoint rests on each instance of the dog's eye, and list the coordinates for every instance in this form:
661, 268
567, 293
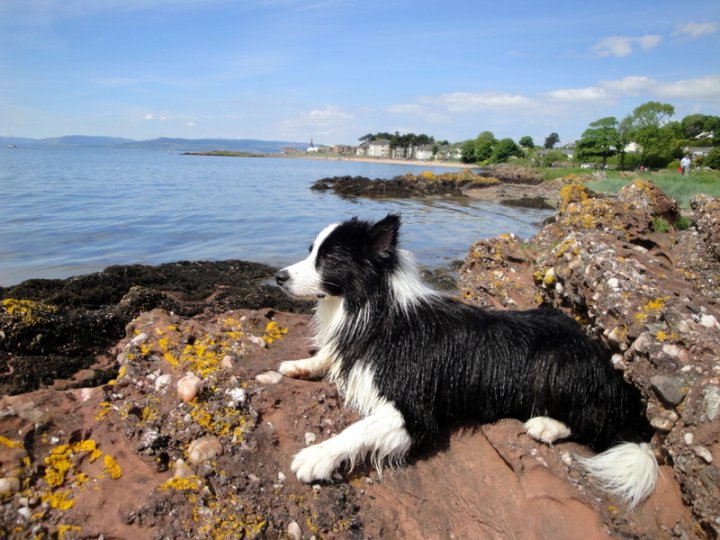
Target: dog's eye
310, 248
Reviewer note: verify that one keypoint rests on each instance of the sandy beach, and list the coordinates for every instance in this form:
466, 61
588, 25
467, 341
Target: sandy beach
449, 164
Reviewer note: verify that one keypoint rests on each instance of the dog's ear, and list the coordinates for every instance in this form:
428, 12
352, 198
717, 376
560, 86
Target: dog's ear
383, 235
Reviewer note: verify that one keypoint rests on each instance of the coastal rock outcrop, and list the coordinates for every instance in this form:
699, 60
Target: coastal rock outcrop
127, 456
650, 293
409, 185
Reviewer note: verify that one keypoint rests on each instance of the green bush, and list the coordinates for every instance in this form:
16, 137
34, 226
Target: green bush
660, 225
673, 165
683, 223
712, 160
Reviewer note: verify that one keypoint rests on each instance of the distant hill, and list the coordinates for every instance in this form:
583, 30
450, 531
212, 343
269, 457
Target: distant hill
205, 145
163, 143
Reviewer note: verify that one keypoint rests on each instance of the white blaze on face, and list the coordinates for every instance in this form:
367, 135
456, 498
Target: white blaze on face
304, 280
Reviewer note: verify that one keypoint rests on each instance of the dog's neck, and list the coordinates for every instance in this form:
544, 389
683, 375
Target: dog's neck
329, 316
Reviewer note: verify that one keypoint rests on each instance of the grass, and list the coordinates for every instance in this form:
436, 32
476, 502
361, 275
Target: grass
681, 188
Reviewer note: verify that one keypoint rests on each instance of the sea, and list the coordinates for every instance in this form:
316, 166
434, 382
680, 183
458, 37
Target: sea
66, 211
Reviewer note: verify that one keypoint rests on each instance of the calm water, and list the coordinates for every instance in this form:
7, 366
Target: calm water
66, 211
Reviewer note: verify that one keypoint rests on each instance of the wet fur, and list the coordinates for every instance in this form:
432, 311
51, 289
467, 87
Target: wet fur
416, 362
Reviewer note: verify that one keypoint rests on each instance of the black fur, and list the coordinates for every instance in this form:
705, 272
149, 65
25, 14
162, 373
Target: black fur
442, 361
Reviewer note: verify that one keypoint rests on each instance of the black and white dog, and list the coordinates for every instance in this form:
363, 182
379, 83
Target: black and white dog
412, 362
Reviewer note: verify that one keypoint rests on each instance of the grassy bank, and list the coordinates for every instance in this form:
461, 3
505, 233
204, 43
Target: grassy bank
681, 188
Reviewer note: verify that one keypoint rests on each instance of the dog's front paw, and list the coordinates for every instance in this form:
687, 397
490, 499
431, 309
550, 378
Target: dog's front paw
294, 369
314, 463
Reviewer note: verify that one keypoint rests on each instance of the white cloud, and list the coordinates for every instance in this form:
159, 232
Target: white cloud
621, 46
695, 30
406, 108
592, 93
328, 115
700, 88
152, 116
564, 104
630, 86
649, 41
470, 101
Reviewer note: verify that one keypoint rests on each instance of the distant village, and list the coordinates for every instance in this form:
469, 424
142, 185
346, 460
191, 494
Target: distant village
384, 149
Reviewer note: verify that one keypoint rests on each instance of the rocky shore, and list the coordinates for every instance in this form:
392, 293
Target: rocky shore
507, 185
143, 403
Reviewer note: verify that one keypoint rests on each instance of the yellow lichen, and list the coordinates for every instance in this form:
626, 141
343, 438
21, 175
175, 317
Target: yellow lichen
60, 499
9, 443
651, 309
28, 312
193, 483
111, 467
105, 408
572, 193
63, 529
273, 332
219, 423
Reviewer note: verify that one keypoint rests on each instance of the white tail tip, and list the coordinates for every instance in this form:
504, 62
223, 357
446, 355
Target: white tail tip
628, 471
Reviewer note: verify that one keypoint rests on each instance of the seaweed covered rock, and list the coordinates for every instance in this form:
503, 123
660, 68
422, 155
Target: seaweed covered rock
59, 331
409, 185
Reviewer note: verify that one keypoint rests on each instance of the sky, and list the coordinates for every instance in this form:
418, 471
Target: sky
334, 70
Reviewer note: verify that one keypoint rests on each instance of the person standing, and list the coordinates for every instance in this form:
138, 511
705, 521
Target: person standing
685, 164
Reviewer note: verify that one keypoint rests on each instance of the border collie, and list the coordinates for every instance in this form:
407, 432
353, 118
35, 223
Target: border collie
413, 362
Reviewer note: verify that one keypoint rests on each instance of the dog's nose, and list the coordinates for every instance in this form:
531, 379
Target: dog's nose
282, 276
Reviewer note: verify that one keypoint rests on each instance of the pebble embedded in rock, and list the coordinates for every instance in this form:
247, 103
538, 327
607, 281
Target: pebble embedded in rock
260, 342
711, 400
669, 389
294, 531
703, 453
137, 340
228, 362
238, 396
269, 377
665, 421
709, 321
182, 469
189, 387
310, 438
162, 381
8, 486
204, 449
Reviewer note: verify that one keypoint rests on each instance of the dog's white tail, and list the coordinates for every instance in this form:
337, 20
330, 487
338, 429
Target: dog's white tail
628, 471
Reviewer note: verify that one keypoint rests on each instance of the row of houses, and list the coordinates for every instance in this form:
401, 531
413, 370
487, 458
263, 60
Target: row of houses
382, 149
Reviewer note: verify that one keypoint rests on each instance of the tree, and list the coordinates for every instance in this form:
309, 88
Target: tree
526, 141
624, 131
484, 145
504, 150
693, 125
651, 114
713, 159
647, 124
554, 156
467, 151
551, 140
600, 140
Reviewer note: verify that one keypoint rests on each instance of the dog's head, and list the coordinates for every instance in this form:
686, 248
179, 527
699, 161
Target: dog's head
349, 259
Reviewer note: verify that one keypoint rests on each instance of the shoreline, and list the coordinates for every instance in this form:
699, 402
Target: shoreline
388, 161
319, 157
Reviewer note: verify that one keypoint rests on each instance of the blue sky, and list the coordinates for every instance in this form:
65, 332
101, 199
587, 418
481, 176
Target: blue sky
335, 70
